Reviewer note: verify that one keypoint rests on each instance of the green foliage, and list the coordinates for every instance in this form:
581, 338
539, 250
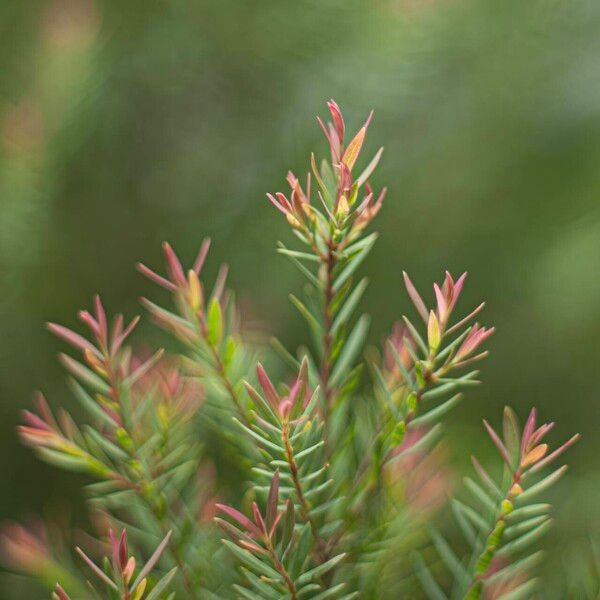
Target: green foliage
504, 525
346, 454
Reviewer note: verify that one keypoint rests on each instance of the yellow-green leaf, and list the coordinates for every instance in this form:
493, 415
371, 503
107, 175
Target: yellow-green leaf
215, 323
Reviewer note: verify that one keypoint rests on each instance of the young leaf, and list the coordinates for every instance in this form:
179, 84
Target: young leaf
215, 322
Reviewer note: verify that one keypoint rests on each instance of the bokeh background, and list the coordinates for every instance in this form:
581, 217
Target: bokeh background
124, 123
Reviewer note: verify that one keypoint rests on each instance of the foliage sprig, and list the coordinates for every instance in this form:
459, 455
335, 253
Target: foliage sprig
327, 480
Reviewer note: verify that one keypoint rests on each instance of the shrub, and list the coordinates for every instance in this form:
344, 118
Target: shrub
326, 484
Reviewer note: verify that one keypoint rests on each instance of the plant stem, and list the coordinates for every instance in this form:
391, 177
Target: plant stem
222, 373
407, 419
304, 505
219, 368
282, 571
493, 540
329, 261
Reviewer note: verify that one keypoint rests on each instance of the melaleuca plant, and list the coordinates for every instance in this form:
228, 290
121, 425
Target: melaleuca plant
327, 475
504, 523
116, 577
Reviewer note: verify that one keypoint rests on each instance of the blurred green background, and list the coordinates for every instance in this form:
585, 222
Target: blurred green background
124, 123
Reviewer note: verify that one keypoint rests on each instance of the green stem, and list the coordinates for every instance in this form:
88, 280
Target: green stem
493, 541
221, 372
330, 261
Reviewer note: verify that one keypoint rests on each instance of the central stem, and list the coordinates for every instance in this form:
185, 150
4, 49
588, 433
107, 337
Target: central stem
492, 541
291, 586
325, 371
219, 368
304, 505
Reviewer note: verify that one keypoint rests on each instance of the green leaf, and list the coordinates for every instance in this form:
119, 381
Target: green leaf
308, 589
309, 450
466, 528
326, 195
351, 349
364, 176
298, 255
542, 485
320, 570
215, 323
302, 553
310, 407
430, 586
314, 475
329, 178
64, 461
340, 297
260, 404
416, 335
260, 438
254, 563
248, 594
450, 559
112, 450
479, 494
84, 374
528, 511
386, 392
331, 592
284, 354
266, 590
441, 355
316, 491
355, 261
312, 278
472, 515
323, 508
401, 366
449, 385
486, 479
165, 314
230, 350
350, 304
151, 563
308, 316
433, 332
161, 586
91, 405
101, 488
426, 441
527, 539
524, 526
439, 411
